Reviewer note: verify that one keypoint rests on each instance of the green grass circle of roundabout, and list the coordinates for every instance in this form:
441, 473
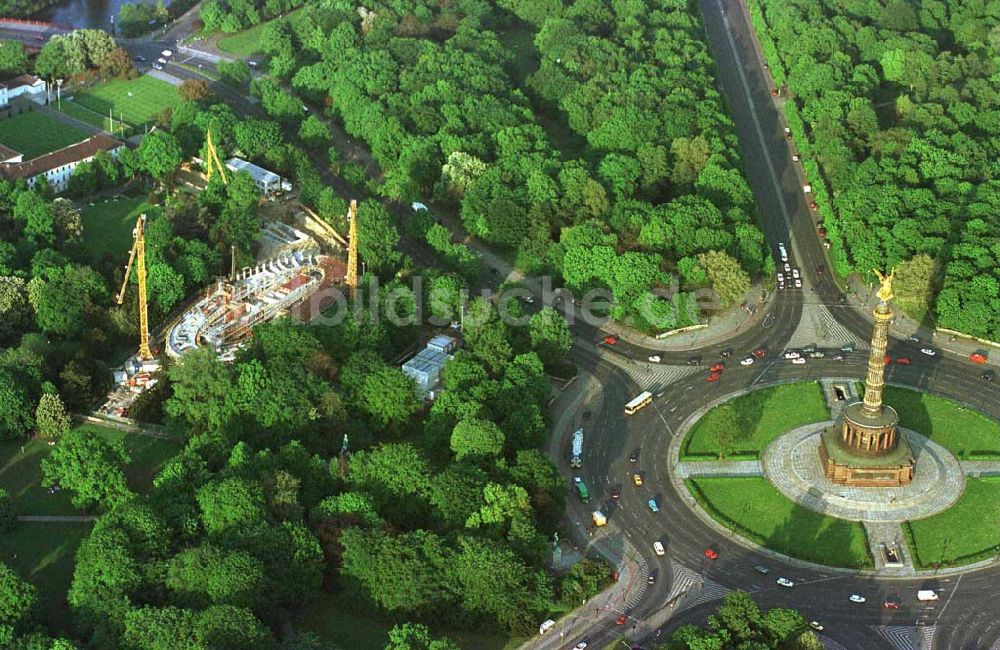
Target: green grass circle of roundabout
968, 532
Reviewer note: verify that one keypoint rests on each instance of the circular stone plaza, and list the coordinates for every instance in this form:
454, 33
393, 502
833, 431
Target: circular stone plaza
859, 467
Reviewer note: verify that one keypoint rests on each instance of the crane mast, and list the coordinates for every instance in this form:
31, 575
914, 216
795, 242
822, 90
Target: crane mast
352, 248
138, 255
213, 162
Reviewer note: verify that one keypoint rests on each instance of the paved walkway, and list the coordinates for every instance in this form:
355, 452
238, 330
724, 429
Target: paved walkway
980, 467
792, 465
819, 327
54, 518
884, 535
721, 468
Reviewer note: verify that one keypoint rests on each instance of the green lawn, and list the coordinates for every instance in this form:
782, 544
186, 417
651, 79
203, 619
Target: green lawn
107, 226
86, 115
34, 133
337, 619
247, 42
43, 554
965, 432
135, 100
21, 474
755, 509
967, 532
761, 416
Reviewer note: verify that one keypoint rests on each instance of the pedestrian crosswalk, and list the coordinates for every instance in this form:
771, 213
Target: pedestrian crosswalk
655, 377
697, 589
901, 637
819, 327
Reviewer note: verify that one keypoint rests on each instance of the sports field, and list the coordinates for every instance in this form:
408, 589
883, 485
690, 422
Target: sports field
34, 133
134, 100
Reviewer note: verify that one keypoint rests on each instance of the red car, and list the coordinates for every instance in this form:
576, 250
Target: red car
903, 361
977, 357
719, 367
892, 602
610, 340
759, 353
888, 359
715, 376
711, 554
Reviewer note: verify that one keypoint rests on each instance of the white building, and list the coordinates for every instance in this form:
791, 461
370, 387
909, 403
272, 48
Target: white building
26, 85
425, 367
266, 181
56, 166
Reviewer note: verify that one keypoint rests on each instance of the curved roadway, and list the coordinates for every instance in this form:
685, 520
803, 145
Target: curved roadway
961, 619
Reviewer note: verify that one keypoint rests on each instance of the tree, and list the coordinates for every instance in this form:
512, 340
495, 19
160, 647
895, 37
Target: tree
690, 156
18, 599
34, 214
378, 239
389, 397
14, 309
914, 284
413, 636
726, 429
194, 90
8, 518
51, 418
13, 58
230, 502
66, 221
89, 466
118, 64
729, 281
235, 72
550, 336
159, 155
315, 133
257, 137
15, 409
476, 438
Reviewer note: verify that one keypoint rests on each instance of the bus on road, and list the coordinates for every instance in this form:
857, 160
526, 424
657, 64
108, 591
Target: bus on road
642, 399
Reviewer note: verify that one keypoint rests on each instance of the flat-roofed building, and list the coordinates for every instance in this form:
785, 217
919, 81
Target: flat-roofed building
266, 181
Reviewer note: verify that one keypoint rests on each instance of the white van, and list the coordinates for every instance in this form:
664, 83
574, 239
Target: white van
927, 594
783, 252
546, 626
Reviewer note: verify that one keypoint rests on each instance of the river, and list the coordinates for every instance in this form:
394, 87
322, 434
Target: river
94, 14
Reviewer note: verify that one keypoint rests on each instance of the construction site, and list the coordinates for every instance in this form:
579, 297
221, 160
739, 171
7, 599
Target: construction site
295, 266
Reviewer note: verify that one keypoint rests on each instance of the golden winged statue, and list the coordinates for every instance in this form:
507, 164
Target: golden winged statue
885, 291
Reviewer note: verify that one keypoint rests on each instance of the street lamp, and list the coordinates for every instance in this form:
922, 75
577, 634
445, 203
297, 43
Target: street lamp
59, 83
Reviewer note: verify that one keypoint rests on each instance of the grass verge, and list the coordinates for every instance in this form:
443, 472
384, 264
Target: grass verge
760, 417
34, 133
755, 509
21, 473
967, 532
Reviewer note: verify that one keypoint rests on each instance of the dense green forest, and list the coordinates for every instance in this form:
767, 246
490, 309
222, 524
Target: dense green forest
896, 108
588, 139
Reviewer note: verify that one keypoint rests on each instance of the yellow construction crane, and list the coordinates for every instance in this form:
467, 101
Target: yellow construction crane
138, 255
213, 161
352, 249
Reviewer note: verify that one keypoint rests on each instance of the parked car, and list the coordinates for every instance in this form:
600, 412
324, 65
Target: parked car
799, 361
791, 354
858, 598
817, 354
785, 582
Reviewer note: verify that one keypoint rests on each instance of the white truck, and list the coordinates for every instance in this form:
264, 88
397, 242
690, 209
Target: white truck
576, 459
927, 594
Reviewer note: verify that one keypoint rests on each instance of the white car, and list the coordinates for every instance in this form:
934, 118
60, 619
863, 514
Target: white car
157, 66
799, 361
792, 354
785, 582
816, 625
654, 358
795, 274
747, 361
788, 267
858, 598
546, 626
658, 548
817, 354
166, 53
798, 283
929, 352
580, 646
161, 61
529, 299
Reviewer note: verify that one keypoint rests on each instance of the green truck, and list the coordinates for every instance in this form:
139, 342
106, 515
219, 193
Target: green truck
581, 489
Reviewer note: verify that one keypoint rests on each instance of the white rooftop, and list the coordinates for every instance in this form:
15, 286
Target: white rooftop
259, 174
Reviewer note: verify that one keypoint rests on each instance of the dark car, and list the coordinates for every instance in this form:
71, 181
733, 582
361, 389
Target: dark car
760, 568
651, 578
634, 456
616, 494
989, 375
694, 361
725, 354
